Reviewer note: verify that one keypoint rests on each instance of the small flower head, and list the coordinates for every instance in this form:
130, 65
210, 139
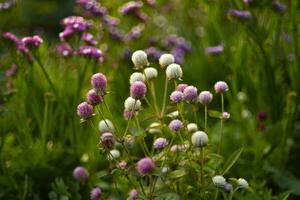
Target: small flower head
32, 41
175, 125
106, 126
150, 73
132, 104
219, 181
181, 87
84, 110
130, 6
215, 50
240, 14
80, 174
99, 82
93, 98
64, 49
155, 128
174, 71
139, 59
243, 183
176, 97
192, 127
107, 140
166, 59
227, 187
225, 115
113, 154
199, 139
190, 93
160, 143
145, 166
128, 114
262, 116
221, 87
138, 90
136, 76
133, 194
95, 193
205, 97
122, 165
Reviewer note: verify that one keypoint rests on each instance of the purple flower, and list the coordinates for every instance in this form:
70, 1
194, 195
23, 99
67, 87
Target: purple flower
127, 114
138, 90
135, 33
181, 87
151, 2
110, 21
240, 14
215, 50
7, 4
107, 140
227, 187
130, 6
34, 40
133, 194
84, 110
175, 125
141, 16
95, 193
90, 51
178, 55
145, 166
116, 34
93, 98
153, 53
89, 39
64, 49
262, 116
205, 97
11, 71
67, 33
11, 37
190, 93
176, 97
221, 87
280, 7
80, 174
99, 82
160, 143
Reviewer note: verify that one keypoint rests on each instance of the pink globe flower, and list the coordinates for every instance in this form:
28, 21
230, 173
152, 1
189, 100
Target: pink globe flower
84, 110
221, 87
93, 98
80, 174
99, 82
138, 90
145, 166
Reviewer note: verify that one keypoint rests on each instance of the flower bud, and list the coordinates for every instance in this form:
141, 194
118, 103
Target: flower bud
99, 82
145, 166
132, 104
199, 139
113, 154
138, 90
95, 193
225, 116
107, 140
133, 194
139, 59
227, 187
93, 98
174, 114
219, 181
174, 71
190, 93
176, 97
80, 174
221, 87
160, 143
106, 126
166, 59
128, 114
205, 97
243, 183
154, 128
150, 73
84, 110
136, 76
192, 127
175, 125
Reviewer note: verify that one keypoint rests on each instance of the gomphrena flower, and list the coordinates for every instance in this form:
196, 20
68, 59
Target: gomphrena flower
84, 110
219, 181
239, 14
190, 93
136, 76
227, 187
11, 37
80, 173
174, 71
106, 126
199, 139
179, 147
175, 125
176, 97
153, 53
150, 73
73, 24
135, 32
98, 82
221, 87
243, 183
132, 104
133, 194
127, 114
214, 50
116, 34
131, 6
160, 143
64, 49
35, 41
262, 116
225, 115
145, 166
122, 165
280, 7
154, 128
113, 154
89, 39
93, 7
107, 140
181, 87
110, 21
205, 97
95, 193
12, 71
192, 127
138, 90
166, 59
90, 51
139, 59
93, 98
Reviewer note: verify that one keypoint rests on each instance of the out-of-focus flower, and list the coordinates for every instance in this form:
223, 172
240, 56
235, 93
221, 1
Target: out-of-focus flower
84, 110
131, 6
192, 127
89, 39
243, 183
280, 7
199, 139
34, 40
261, 116
7, 4
64, 49
132, 104
215, 50
205, 97
160, 143
145, 166
93, 7
135, 32
113, 154
240, 14
110, 21
221, 87
95, 193
11, 71
90, 51
80, 173
153, 53
133, 194
116, 34
175, 125
106, 125
11, 37
219, 181
181, 87
107, 140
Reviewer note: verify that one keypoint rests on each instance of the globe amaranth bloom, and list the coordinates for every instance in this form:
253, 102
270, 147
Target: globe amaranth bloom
132, 104
145, 166
139, 59
84, 110
133, 194
107, 140
99, 82
95, 193
90, 51
174, 71
176, 97
175, 125
64, 49
219, 181
199, 139
192, 127
205, 97
181, 87
113, 154
243, 183
166, 59
106, 125
89, 39
136, 76
138, 90
93, 98
160, 143
150, 73
153, 53
190, 93
80, 173
221, 87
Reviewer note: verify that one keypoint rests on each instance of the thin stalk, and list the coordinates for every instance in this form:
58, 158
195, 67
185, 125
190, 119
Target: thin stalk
205, 118
202, 165
111, 116
222, 124
143, 144
154, 97
164, 98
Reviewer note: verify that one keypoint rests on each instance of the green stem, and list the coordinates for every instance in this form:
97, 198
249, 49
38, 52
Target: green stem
202, 165
165, 98
222, 124
205, 118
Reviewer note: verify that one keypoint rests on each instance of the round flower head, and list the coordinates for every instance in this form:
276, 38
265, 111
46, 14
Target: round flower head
205, 97
166, 59
219, 181
225, 115
190, 93
122, 165
129, 141
128, 114
93, 98
80, 173
199, 139
221, 87
176, 125
132, 104
160, 143
106, 126
174, 114
136, 76
107, 140
95, 193
181, 87
155, 128
145, 166
139, 59
176, 97
99, 82
243, 183
227, 187
150, 73
113, 154
192, 127
84, 110
138, 90
133, 194
174, 71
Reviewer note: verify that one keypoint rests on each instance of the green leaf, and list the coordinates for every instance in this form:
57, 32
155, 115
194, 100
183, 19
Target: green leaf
177, 174
232, 160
